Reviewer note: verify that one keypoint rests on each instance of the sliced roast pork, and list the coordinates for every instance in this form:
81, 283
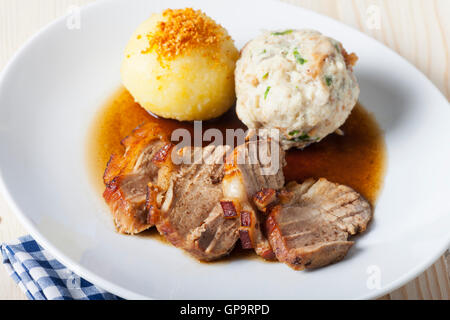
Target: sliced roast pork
204, 204
251, 167
127, 176
310, 225
188, 212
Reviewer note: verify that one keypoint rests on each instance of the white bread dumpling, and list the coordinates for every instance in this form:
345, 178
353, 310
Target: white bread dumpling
297, 81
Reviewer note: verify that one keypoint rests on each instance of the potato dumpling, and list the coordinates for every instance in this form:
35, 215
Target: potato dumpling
180, 65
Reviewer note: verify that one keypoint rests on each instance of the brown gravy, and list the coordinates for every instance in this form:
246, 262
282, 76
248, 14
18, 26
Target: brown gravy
119, 116
356, 159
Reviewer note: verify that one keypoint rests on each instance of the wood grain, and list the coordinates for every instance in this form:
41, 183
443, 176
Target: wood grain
419, 30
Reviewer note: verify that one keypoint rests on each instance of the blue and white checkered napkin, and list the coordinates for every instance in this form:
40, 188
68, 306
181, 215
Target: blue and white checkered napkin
41, 277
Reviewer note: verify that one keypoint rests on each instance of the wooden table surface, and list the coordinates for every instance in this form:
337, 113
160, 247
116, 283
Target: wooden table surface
419, 30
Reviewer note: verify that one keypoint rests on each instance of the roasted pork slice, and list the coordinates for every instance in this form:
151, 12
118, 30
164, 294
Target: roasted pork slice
189, 213
127, 176
310, 225
251, 167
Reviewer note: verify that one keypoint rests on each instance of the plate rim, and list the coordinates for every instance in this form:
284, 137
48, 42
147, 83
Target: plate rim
123, 292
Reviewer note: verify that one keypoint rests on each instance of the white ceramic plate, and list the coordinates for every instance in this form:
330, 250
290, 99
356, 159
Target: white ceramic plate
51, 90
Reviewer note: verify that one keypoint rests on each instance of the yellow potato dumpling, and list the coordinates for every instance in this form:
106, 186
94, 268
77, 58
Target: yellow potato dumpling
180, 65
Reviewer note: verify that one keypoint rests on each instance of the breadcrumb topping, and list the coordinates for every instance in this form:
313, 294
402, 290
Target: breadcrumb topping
183, 30
350, 59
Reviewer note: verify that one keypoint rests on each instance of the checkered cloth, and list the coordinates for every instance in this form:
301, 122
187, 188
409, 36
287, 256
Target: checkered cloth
41, 277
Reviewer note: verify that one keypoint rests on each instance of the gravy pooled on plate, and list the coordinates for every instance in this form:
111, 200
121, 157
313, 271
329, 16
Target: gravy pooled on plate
356, 159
